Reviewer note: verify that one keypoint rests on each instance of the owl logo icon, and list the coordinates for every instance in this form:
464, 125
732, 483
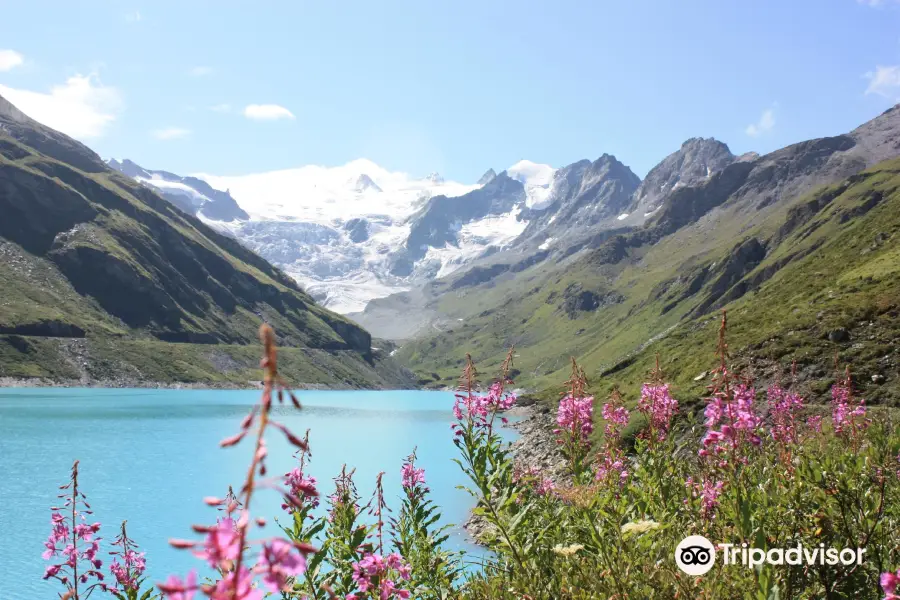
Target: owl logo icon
695, 555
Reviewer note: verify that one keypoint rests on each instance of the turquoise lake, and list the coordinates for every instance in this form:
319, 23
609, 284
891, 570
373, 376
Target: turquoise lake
150, 456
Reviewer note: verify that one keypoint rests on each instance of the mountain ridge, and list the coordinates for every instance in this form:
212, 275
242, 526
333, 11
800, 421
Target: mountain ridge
710, 245
95, 256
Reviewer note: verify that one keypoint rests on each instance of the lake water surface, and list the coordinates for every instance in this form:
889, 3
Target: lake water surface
150, 456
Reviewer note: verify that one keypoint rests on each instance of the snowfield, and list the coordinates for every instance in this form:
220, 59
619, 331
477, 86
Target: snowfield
339, 231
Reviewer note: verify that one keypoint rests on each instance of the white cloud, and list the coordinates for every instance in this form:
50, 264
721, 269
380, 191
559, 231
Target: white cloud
884, 81
267, 112
10, 59
82, 107
171, 133
134, 17
764, 125
221, 108
200, 71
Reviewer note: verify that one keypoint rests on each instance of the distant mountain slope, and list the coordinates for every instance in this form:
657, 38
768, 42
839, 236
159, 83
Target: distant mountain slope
190, 194
89, 254
804, 270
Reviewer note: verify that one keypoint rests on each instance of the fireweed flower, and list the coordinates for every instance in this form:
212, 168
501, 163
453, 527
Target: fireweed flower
481, 408
477, 411
127, 573
410, 476
278, 562
383, 576
890, 582
532, 479
731, 423
302, 487
176, 589
815, 423
73, 541
708, 491
783, 408
659, 407
616, 417
847, 416
612, 467
575, 416
226, 545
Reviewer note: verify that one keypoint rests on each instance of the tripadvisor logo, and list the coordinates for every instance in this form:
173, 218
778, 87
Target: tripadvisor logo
696, 555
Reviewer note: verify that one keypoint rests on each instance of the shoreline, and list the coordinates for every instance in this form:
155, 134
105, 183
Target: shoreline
534, 449
38, 383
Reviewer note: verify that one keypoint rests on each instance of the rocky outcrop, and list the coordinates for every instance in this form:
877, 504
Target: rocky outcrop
583, 195
44, 328
437, 223
693, 163
487, 177
358, 229
576, 300
193, 196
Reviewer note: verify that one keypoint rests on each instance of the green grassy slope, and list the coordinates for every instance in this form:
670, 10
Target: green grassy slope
100, 278
821, 263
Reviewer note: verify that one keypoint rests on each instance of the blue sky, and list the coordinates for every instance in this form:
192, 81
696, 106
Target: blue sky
455, 87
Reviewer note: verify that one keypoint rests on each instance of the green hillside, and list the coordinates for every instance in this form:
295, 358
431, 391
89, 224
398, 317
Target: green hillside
102, 279
806, 279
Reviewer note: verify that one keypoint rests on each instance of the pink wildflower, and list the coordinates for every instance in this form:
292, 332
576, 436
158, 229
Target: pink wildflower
481, 408
659, 407
889, 583
575, 416
236, 586
225, 547
279, 561
847, 417
545, 487
176, 589
616, 417
74, 541
411, 476
815, 423
612, 467
127, 573
783, 407
736, 420
374, 573
222, 544
301, 487
709, 493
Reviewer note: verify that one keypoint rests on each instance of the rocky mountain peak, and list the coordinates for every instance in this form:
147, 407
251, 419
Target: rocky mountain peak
364, 183
487, 177
129, 168
695, 162
435, 178
190, 194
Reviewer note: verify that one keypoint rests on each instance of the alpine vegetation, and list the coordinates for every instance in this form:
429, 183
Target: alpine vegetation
781, 490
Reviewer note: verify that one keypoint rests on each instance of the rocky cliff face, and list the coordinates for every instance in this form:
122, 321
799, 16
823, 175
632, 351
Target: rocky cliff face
190, 194
693, 163
439, 221
583, 195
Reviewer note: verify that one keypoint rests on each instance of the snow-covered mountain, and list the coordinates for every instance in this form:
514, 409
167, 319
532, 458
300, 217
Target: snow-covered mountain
190, 194
357, 232
342, 232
